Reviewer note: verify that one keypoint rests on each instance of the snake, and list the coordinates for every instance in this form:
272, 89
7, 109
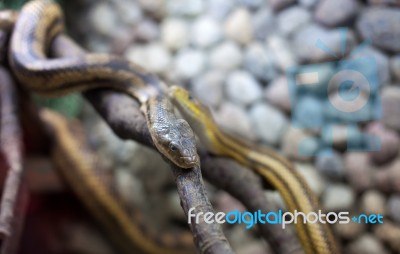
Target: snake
39, 22
33, 29
315, 238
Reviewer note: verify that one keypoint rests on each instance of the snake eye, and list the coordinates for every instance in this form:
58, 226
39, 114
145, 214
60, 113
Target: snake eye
190, 97
173, 147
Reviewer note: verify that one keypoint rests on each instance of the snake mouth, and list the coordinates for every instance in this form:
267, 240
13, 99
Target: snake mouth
190, 161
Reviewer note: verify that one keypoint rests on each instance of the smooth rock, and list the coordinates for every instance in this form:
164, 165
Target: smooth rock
380, 25
283, 55
390, 143
310, 4
238, 27
277, 93
299, 145
156, 8
242, 88
378, 60
208, 88
330, 164
189, 63
335, 13
128, 11
395, 67
264, 24
251, 4
393, 207
174, 33
154, 57
372, 201
277, 5
269, 123
349, 231
358, 170
234, 119
338, 197
292, 19
147, 30
389, 233
188, 8
259, 62
304, 43
308, 113
219, 9
312, 177
391, 107
103, 18
226, 56
205, 32
366, 244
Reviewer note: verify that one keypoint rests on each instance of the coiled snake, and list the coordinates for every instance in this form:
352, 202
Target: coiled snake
40, 21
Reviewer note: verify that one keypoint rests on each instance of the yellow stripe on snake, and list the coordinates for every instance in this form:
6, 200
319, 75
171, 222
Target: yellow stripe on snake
315, 238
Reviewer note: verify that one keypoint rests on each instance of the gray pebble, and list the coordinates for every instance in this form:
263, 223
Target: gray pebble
381, 26
395, 67
393, 207
147, 30
277, 93
189, 63
259, 62
277, 5
330, 164
235, 119
292, 19
372, 201
299, 145
219, 9
390, 143
305, 40
358, 170
238, 27
103, 18
308, 113
382, 63
128, 11
226, 56
242, 88
154, 57
335, 13
269, 123
188, 8
309, 3
155, 8
264, 24
366, 244
282, 52
208, 88
338, 197
391, 107
251, 4
205, 32
174, 33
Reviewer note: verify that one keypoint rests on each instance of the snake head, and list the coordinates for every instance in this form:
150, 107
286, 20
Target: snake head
178, 141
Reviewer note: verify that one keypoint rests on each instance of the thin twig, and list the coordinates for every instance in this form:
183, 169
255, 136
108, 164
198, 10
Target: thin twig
14, 198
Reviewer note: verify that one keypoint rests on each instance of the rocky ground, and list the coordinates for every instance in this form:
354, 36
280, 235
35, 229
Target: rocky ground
235, 56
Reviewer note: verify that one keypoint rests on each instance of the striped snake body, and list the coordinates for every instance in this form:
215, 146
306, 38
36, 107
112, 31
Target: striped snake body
39, 22
315, 238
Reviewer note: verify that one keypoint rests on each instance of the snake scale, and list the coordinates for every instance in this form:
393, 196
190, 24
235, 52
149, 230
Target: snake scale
40, 21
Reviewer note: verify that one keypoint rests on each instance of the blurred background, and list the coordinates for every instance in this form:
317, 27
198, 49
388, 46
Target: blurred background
241, 57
